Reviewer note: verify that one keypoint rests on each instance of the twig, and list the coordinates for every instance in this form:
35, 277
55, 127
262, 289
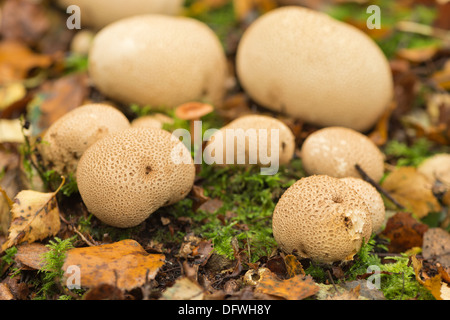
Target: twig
332, 282
367, 178
414, 27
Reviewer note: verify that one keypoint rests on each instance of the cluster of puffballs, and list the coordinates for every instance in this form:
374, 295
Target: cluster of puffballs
292, 61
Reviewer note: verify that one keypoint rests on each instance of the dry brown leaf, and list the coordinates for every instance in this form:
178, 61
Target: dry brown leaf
380, 135
5, 292
412, 189
436, 246
57, 97
433, 284
24, 20
124, 264
242, 8
417, 55
16, 60
296, 288
34, 216
404, 232
30, 255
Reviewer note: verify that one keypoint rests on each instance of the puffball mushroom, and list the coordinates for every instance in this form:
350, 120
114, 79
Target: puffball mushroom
310, 66
100, 13
159, 61
436, 168
373, 200
126, 176
66, 139
321, 218
335, 151
248, 140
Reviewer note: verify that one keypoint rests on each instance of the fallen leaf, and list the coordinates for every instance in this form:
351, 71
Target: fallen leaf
5, 292
24, 20
293, 266
380, 134
184, 289
11, 131
30, 255
412, 190
404, 232
352, 294
34, 216
436, 246
55, 98
243, 8
16, 60
104, 292
433, 284
296, 288
124, 264
11, 93
418, 55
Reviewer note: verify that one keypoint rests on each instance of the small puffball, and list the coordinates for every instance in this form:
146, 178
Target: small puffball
335, 151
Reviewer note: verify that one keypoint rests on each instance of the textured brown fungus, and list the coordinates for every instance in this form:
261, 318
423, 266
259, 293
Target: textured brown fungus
321, 218
125, 177
67, 139
335, 151
373, 200
249, 142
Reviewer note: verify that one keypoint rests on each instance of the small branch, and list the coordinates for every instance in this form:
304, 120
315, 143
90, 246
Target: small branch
367, 178
417, 28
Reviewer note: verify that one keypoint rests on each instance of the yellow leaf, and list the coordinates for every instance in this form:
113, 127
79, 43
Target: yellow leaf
243, 7
124, 264
413, 190
433, 284
34, 216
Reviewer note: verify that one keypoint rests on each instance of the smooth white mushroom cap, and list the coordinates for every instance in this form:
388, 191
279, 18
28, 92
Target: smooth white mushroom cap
372, 199
125, 177
335, 151
306, 64
159, 61
250, 133
66, 139
321, 218
99, 13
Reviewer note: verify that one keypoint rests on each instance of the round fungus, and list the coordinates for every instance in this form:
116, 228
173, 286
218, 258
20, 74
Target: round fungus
310, 66
335, 151
252, 139
159, 61
437, 168
66, 139
373, 200
321, 218
126, 176
99, 13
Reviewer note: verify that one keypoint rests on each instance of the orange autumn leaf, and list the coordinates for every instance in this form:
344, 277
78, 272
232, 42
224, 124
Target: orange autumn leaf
296, 288
293, 266
124, 264
16, 60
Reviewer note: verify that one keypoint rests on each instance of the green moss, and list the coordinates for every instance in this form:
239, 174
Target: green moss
412, 155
